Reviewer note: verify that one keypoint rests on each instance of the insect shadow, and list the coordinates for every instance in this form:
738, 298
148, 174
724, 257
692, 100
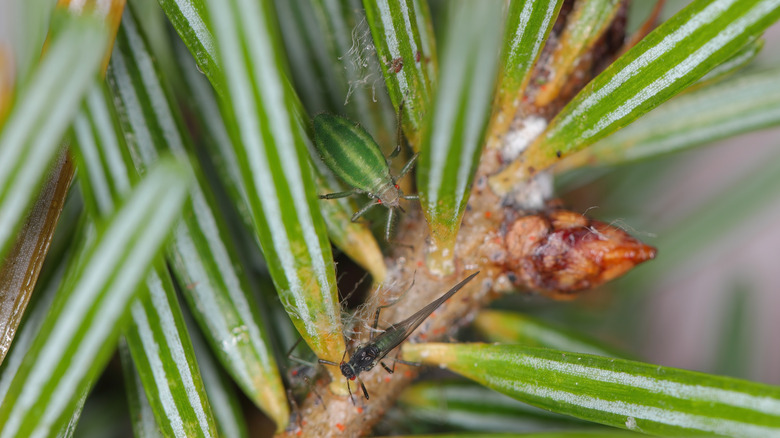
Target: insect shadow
368, 355
353, 155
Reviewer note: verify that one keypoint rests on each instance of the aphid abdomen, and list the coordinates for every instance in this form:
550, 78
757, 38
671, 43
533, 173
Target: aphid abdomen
351, 153
391, 338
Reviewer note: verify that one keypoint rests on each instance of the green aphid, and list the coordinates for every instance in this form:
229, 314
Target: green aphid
353, 155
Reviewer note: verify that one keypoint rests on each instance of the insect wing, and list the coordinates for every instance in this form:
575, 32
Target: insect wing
397, 333
351, 153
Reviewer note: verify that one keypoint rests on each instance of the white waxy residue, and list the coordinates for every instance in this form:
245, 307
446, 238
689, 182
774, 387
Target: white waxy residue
517, 140
534, 193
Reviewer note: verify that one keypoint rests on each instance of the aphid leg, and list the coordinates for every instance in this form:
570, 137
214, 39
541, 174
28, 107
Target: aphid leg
363, 210
363, 387
391, 304
349, 389
407, 167
338, 194
398, 133
389, 224
376, 323
405, 362
389, 229
407, 197
397, 360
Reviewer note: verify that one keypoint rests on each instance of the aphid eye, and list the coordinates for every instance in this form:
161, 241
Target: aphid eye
353, 378
395, 185
378, 201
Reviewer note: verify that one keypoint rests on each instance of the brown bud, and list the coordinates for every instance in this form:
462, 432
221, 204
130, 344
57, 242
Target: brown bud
561, 252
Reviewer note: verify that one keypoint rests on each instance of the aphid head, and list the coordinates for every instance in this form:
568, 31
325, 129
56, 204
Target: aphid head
389, 196
347, 370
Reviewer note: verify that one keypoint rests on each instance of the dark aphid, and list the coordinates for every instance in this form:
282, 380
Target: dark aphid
353, 155
368, 355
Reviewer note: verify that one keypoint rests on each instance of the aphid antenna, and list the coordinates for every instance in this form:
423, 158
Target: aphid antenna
297, 359
330, 362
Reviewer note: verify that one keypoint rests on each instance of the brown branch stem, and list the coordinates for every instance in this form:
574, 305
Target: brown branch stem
480, 247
